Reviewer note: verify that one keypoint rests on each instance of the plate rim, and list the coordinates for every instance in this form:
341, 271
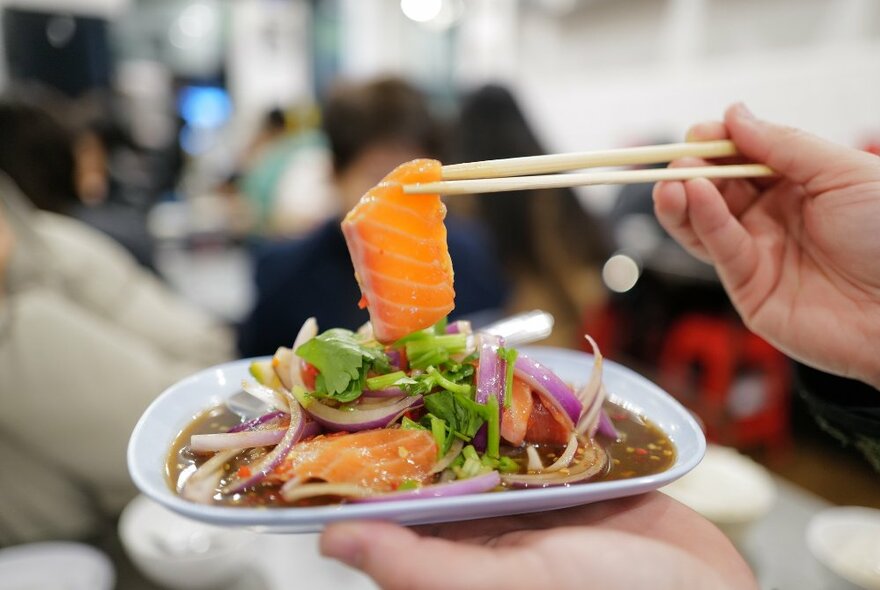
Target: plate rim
407, 511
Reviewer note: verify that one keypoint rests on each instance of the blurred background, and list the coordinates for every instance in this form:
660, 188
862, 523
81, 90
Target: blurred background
173, 172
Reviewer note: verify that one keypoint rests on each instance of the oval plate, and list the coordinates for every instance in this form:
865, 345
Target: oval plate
172, 411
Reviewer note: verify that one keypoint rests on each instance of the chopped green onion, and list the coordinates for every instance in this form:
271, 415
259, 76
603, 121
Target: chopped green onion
493, 428
438, 429
440, 327
384, 381
409, 484
407, 424
469, 452
302, 396
507, 465
509, 356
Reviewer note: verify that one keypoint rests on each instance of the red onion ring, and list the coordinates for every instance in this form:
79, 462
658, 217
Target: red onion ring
354, 420
202, 484
550, 387
591, 395
258, 421
606, 426
460, 487
205, 443
387, 392
589, 465
313, 490
490, 371
274, 457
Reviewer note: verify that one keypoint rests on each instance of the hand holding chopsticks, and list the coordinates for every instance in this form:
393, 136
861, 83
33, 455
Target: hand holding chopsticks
510, 174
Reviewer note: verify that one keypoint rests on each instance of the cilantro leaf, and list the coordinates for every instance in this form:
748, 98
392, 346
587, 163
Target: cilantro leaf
342, 361
463, 416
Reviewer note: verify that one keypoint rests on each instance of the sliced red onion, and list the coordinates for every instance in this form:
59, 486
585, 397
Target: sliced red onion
590, 464
460, 487
589, 421
395, 358
591, 394
566, 457
267, 395
459, 327
449, 457
535, 463
481, 437
606, 426
258, 421
307, 331
203, 443
387, 392
353, 420
491, 371
281, 362
550, 387
271, 460
302, 491
202, 484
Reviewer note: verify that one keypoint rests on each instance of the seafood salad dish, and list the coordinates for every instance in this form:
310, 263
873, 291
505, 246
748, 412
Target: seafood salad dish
410, 405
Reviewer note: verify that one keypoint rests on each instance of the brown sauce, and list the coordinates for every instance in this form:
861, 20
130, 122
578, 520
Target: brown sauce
641, 449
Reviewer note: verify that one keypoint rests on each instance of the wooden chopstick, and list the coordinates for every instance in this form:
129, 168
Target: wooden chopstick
494, 185
653, 154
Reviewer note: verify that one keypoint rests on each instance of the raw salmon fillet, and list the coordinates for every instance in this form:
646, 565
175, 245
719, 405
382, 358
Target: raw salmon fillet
377, 459
398, 247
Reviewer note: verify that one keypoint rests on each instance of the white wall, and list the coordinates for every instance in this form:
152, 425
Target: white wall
624, 71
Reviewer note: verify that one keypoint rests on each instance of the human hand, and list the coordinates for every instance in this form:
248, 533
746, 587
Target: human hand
647, 541
799, 254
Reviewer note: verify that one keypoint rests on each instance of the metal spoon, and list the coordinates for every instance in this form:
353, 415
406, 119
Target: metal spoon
522, 328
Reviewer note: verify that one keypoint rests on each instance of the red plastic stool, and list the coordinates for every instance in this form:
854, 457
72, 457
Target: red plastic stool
736, 382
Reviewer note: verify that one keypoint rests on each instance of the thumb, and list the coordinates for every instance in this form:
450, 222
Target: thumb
397, 558
795, 154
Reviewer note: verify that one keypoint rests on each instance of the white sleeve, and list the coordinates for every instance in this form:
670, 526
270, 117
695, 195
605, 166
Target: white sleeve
73, 384
102, 277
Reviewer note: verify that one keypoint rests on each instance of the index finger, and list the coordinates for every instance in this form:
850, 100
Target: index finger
707, 131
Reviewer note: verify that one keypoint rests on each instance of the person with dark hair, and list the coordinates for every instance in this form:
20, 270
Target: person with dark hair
549, 246
371, 128
63, 168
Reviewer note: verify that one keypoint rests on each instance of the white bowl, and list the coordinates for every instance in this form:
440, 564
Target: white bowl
73, 566
178, 552
846, 540
728, 489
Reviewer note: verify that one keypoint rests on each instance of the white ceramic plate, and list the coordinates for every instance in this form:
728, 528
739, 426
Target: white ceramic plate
846, 539
175, 408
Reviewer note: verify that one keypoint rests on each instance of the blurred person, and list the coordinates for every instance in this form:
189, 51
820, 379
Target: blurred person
32, 134
88, 338
798, 256
371, 127
550, 247
285, 175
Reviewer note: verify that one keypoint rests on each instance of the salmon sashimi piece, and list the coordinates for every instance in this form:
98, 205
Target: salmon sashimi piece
380, 460
515, 417
398, 247
544, 426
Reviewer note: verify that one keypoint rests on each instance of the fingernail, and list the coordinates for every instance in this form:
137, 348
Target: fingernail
744, 111
343, 543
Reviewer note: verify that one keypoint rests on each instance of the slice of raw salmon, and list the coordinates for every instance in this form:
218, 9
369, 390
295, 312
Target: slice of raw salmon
380, 460
398, 247
515, 417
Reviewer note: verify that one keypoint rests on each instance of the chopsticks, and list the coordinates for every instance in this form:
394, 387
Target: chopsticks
512, 174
